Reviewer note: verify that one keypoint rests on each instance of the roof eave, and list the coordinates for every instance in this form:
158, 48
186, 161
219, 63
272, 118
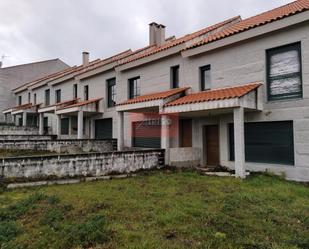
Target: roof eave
248, 34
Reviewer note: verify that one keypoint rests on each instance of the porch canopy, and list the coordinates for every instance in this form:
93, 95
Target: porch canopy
217, 101
152, 101
245, 96
22, 110
149, 103
80, 109
53, 108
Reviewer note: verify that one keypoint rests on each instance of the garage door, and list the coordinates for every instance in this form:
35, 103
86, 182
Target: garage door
267, 142
146, 135
104, 128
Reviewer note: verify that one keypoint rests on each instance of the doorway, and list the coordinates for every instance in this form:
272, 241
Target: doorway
185, 134
212, 145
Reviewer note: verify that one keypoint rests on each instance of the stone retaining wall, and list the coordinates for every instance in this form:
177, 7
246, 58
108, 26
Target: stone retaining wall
81, 165
18, 130
62, 146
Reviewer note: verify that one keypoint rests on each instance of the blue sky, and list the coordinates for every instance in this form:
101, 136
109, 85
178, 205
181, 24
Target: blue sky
34, 30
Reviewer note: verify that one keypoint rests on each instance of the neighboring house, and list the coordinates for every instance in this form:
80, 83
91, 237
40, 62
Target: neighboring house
14, 76
236, 93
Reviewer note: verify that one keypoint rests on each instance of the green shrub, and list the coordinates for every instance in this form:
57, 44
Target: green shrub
18, 209
52, 218
87, 234
8, 232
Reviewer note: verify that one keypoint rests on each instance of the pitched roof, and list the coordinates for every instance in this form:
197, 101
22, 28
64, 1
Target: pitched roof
62, 103
75, 70
174, 42
216, 94
31, 83
106, 61
256, 21
22, 107
82, 103
154, 96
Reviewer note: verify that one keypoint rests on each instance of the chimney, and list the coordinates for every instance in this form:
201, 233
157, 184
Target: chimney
156, 34
85, 58
152, 33
161, 35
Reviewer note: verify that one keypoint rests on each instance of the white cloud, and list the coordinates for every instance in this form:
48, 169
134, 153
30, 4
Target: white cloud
36, 30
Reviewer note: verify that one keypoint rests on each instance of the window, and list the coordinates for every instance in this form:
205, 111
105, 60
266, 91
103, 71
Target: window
134, 87
58, 95
284, 72
267, 142
34, 98
111, 92
19, 100
75, 91
175, 76
47, 97
205, 78
86, 92
29, 97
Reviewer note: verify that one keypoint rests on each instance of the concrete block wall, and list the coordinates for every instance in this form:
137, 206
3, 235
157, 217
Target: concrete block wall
93, 164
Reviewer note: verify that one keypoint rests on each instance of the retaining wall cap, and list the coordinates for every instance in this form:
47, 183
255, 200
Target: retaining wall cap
80, 154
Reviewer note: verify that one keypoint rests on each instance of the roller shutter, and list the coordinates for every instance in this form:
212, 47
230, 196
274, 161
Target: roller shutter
146, 135
267, 142
104, 128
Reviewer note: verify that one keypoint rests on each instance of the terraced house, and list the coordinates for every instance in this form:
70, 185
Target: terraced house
234, 94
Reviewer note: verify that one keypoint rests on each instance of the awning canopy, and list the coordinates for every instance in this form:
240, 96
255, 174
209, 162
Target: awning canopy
89, 106
151, 101
246, 96
53, 108
21, 108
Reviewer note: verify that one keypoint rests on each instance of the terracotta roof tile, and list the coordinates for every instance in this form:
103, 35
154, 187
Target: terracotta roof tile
43, 78
62, 103
216, 94
82, 103
181, 40
256, 21
154, 96
22, 107
76, 70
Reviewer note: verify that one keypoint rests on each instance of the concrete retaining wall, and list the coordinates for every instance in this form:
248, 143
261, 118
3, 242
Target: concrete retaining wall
18, 130
91, 164
184, 157
62, 146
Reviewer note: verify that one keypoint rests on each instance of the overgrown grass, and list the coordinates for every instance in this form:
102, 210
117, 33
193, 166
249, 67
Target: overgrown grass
17, 153
160, 210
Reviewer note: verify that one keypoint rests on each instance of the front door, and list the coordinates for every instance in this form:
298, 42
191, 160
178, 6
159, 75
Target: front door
185, 132
212, 145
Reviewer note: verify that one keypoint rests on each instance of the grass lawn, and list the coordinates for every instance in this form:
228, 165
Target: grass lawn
160, 210
17, 153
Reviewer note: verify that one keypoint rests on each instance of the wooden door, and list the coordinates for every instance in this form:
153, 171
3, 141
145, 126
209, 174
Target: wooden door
185, 132
212, 145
